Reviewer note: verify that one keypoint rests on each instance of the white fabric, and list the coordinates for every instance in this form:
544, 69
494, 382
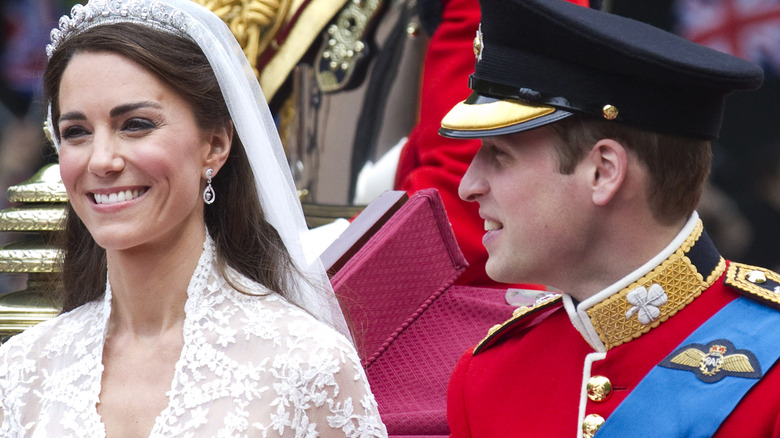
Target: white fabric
586, 375
250, 114
250, 366
318, 239
377, 178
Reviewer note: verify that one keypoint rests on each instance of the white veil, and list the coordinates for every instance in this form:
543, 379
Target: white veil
251, 117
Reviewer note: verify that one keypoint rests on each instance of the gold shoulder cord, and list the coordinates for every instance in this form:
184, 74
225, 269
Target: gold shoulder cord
519, 314
254, 23
756, 281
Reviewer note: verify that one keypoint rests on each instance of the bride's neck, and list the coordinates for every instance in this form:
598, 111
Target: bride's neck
149, 285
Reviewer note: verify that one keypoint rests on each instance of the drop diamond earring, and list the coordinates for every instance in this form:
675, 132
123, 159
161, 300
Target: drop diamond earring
208, 193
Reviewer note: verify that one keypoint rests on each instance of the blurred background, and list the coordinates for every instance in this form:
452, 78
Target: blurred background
741, 207
24, 33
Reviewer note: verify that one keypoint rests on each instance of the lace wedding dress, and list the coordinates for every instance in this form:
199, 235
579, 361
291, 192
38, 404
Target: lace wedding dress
251, 366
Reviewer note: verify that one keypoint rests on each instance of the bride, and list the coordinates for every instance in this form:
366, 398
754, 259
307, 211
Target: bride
188, 308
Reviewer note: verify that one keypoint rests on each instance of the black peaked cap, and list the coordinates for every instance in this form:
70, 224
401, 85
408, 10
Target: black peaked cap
541, 60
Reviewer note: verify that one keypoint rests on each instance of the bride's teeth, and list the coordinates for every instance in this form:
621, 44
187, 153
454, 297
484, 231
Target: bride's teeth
113, 198
492, 225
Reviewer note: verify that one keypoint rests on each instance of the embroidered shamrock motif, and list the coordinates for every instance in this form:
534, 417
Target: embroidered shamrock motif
646, 303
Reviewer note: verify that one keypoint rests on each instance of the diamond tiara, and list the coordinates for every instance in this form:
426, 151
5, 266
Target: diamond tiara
149, 13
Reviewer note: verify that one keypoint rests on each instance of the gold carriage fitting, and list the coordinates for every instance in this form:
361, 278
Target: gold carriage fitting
42, 201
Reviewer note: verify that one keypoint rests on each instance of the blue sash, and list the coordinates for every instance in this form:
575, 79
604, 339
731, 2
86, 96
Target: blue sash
676, 402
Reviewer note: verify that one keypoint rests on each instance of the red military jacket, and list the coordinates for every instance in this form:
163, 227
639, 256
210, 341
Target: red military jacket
559, 369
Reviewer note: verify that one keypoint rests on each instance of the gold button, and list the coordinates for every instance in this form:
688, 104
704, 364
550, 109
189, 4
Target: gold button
599, 388
610, 112
756, 277
591, 424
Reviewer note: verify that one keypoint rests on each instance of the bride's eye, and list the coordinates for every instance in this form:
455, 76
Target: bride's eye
137, 124
73, 132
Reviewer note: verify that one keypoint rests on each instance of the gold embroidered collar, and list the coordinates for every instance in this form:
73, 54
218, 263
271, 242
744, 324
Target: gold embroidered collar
659, 294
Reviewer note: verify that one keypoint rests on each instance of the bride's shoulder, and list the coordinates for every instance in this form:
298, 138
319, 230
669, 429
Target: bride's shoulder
257, 312
271, 313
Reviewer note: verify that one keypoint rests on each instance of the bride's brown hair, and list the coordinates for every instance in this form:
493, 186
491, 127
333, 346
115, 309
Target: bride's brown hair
245, 241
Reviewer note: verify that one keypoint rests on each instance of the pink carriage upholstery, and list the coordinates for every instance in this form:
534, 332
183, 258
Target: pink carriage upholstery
409, 322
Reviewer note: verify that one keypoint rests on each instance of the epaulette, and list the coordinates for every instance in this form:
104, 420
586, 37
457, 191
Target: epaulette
754, 282
519, 316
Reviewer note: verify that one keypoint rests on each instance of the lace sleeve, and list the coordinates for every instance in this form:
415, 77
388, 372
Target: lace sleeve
321, 387
351, 405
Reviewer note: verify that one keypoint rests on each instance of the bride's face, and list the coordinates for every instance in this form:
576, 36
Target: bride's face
132, 157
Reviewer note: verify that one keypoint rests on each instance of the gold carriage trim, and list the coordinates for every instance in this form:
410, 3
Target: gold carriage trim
43, 187
32, 218
680, 280
19, 259
755, 281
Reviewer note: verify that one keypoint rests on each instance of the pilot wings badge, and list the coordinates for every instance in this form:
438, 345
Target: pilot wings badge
714, 361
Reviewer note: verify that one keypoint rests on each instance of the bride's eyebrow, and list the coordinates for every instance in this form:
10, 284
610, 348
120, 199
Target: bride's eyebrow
117, 111
122, 109
72, 115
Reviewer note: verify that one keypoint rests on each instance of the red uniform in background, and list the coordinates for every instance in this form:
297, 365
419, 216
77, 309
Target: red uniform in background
429, 160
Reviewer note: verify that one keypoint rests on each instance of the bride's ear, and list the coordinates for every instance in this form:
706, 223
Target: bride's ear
220, 140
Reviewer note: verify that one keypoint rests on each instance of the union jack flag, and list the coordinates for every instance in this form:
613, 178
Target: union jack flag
749, 29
